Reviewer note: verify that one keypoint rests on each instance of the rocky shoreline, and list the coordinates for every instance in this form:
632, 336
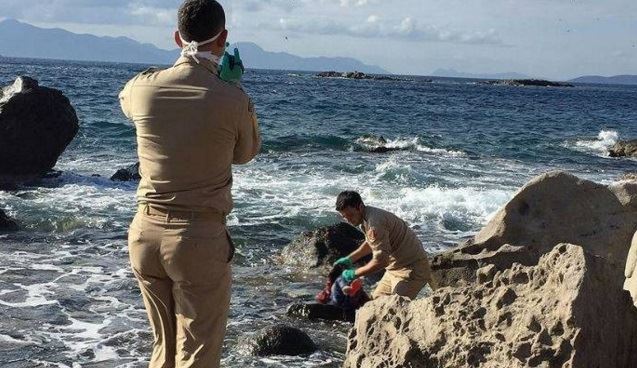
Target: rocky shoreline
540, 285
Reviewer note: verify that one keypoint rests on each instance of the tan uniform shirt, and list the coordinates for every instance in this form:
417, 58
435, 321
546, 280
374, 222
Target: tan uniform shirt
191, 127
391, 239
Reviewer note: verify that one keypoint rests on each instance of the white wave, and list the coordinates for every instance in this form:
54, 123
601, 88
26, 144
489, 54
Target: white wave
421, 205
394, 170
36, 296
12, 340
605, 140
413, 143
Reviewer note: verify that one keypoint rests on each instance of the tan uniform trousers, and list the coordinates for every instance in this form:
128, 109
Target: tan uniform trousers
405, 282
182, 264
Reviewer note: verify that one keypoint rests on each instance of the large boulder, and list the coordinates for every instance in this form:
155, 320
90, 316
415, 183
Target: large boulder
569, 310
36, 125
7, 223
553, 208
322, 247
282, 340
624, 148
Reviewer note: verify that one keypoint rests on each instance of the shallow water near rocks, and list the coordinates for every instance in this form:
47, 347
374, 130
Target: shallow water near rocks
68, 298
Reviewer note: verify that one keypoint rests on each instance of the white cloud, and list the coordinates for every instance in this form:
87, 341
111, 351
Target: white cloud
347, 3
408, 29
155, 16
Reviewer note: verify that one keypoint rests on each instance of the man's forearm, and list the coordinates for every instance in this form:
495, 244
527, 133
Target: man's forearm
361, 252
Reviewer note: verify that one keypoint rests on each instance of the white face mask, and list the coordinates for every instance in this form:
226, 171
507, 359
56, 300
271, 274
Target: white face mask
191, 49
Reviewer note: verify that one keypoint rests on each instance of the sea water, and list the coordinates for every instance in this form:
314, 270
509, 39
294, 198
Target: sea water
69, 299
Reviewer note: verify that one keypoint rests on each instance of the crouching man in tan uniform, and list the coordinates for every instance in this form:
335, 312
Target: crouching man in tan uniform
394, 246
191, 127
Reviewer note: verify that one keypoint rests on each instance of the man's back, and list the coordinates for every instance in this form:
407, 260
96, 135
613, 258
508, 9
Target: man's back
191, 127
392, 239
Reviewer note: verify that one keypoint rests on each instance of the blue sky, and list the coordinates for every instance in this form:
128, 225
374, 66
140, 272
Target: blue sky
556, 39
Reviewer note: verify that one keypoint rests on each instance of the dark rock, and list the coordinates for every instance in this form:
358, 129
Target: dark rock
322, 247
314, 311
131, 173
282, 340
376, 144
7, 223
527, 82
624, 149
36, 126
383, 149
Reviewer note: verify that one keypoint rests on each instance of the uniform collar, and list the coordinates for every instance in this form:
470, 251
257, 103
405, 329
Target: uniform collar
209, 65
365, 219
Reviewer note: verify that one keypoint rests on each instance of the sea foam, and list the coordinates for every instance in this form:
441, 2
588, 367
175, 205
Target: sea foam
605, 140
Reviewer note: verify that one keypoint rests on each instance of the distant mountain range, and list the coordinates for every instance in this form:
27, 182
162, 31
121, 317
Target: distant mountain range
18, 39
617, 79
451, 73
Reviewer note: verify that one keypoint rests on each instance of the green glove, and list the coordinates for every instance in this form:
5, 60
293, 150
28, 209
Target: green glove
345, 262
349, 275
231, 68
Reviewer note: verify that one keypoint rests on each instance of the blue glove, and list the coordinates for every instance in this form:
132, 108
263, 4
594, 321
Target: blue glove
231, 68
349, 275
345, 262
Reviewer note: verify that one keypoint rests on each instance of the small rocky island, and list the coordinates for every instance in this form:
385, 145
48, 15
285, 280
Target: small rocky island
526, 83
358, 75
624, 149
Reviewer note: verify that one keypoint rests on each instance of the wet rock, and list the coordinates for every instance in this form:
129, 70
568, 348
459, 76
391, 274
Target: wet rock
624, 149
282, 340
376, 144
552, 208
315, 311
7, 223
527, 82
628, 177
571, 313
130, 173
36, 125
322, 247
383, 149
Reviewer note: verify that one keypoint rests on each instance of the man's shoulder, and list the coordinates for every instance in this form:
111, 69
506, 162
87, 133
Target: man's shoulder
232, 91
145, 75
379, 217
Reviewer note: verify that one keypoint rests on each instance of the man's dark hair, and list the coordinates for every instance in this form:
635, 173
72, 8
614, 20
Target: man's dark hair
348, 198
200, 20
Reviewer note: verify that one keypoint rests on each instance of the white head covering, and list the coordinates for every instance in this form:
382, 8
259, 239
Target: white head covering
191, 49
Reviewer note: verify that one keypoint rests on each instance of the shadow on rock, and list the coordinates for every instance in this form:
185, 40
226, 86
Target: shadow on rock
7, 223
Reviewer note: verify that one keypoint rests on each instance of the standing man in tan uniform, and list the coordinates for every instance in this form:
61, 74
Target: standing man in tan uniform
394, 246
191, 127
